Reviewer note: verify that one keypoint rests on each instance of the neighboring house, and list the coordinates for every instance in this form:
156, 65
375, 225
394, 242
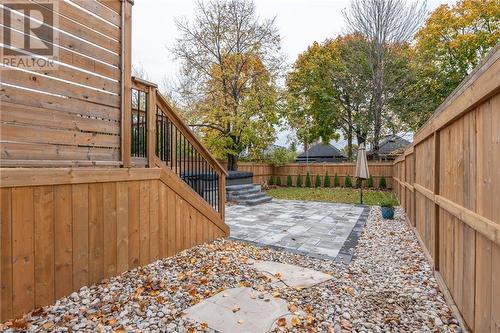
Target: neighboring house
321, 153
390, 147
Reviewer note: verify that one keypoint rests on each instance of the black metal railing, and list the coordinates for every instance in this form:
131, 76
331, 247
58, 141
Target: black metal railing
175, 150
139, 123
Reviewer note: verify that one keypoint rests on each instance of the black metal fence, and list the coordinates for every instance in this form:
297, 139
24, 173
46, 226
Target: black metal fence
139, 123
175, 150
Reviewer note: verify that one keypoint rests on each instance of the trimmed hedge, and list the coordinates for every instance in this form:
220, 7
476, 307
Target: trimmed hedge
289, 181
326, 182
278, 181
336, 180
382, 183
348, 181
298, 183
369, 182
317, 181
270, 181
308, 180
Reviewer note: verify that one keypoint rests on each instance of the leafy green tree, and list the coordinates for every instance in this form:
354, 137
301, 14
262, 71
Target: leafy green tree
336, 180
327, 91
317, 181
289, 181
385, 24
280, 156
298, 182
326, 182
448, 47
231, 60
278, 181
308, 180
348, 181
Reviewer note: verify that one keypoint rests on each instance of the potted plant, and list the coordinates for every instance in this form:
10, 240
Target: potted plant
387, 208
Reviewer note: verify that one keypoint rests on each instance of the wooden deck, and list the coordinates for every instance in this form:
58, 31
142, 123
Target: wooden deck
76, 206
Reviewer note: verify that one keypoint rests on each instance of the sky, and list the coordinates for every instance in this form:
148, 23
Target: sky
300, 22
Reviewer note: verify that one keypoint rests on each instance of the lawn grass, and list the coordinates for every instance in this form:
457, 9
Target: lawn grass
341, 195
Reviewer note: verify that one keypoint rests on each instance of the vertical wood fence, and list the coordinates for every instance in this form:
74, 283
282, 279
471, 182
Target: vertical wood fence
449, 184
262, 172
68, 115
67, 228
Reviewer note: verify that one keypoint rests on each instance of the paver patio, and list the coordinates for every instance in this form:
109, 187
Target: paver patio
320, 229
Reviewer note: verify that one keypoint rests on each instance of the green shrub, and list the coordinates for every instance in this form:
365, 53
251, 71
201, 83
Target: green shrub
369, 182
270, 181
388, 202
348, 181
359, 182
326, 181
298, 182
278, 181
382, 183
308, 180
317, 181
289, 181
336, 180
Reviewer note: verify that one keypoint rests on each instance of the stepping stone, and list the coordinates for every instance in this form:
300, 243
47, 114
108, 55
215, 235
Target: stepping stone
239, 310
291, 275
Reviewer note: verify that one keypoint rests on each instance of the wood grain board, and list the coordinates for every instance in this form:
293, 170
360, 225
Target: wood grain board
57, 237
71, 112
456, 158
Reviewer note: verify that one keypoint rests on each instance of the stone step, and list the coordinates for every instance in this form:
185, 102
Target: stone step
231, 188
252, 196
257, 201
237, 194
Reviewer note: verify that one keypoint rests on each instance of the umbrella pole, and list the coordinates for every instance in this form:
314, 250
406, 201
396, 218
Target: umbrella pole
361, 190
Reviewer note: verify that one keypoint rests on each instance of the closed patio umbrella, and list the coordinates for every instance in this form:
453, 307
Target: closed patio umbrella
362, 171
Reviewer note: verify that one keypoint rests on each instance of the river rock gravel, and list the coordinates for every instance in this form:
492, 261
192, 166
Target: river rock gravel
388, 287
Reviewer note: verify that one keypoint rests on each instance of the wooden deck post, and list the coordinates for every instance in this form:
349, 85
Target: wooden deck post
126, 83
151, 125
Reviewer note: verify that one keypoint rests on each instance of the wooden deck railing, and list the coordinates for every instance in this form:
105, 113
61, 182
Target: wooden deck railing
160, 138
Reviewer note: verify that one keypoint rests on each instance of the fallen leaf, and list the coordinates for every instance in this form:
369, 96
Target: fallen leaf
48, 325
346, 324
282, 322
295, 321
241, 321
236, 309
204, 326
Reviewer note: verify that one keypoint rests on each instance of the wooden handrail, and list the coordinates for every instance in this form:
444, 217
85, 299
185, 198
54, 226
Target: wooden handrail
186, 131
174, 117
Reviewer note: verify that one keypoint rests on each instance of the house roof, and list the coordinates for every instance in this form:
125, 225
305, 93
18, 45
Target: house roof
321, 150
392, 144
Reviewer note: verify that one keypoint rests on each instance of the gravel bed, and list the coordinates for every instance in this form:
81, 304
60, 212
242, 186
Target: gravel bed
388, 287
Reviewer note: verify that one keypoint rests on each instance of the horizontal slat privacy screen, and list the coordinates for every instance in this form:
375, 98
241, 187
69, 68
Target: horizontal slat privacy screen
70, 114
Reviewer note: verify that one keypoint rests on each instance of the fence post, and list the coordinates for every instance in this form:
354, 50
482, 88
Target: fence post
126, 83
151, 125
436, 192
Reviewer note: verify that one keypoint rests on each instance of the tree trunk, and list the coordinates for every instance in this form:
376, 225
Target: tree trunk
378, 97
232, 162
349, 144
349, 135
